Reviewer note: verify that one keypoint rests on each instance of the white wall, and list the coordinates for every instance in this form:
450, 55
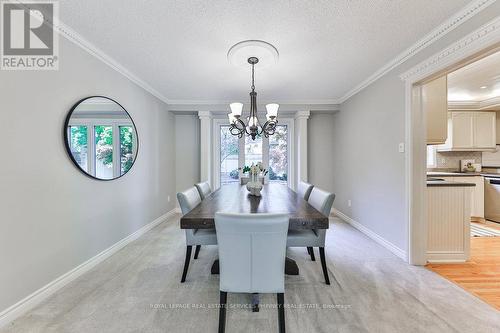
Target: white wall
319, 159
187, 151
369, 170
52, 217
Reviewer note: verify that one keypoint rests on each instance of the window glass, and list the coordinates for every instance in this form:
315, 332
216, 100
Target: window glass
126, 148
431, 157
229, 152
103, 151
278, 155
78, 145
253, 150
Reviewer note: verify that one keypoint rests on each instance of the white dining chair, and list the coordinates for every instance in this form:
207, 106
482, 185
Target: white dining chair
251, 257
322, 201
194, 237
304, 190
204, 189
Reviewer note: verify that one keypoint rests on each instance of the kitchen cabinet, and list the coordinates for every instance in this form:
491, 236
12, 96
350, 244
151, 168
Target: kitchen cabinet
477, 194
435, 107
470, 131
485, 133
491, 159
498, 127
448, 229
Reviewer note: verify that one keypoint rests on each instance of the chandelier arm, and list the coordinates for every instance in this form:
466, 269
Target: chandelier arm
234, 130
239, 121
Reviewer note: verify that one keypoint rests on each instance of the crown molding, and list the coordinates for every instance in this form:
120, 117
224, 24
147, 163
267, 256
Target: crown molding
462, 16
220, 107
227, 102
453, 22
74, 37
484, 37
487, 104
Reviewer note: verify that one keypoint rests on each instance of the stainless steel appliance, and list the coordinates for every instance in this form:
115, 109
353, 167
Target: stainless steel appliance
492, 198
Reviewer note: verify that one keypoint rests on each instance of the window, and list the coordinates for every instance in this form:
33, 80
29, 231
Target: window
431, 156
253, 150
126, 151
104, 149
78, 145
229, 152
278, 155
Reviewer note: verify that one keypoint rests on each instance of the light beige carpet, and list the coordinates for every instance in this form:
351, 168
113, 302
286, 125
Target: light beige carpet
138, 290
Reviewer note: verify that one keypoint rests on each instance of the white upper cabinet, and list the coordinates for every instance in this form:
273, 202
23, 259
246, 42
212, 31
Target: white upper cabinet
470, 131
435, 107
485, 129
462, 127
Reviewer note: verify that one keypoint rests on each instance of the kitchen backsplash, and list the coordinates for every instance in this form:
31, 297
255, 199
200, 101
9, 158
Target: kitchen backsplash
452, 159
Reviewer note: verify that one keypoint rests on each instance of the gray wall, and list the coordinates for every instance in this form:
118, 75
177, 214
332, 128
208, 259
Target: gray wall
369, 170
54, 218
320, 136
187, 151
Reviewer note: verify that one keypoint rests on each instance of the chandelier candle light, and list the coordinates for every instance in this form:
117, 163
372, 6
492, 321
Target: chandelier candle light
253, 127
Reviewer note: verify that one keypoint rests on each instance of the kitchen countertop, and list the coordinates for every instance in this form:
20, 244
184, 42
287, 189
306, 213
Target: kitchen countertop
432, 183
461, 174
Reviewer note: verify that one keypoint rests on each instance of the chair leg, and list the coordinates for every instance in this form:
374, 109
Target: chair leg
186, 263
281, 312
197, 251
222, 311
311, 252
323, 264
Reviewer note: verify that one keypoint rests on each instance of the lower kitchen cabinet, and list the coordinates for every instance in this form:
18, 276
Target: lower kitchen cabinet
477, 194
448, 216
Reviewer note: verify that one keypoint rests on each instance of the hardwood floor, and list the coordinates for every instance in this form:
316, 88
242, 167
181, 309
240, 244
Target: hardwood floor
489, 224
481, 275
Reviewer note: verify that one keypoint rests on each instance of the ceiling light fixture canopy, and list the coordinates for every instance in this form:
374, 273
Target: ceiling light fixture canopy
253, 126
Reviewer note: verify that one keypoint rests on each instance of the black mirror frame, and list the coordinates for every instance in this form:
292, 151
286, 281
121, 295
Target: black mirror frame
66, 138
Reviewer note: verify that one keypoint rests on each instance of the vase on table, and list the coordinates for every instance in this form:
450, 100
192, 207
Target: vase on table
254, 185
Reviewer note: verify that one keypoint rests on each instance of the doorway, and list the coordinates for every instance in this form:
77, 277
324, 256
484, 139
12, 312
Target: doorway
474, 47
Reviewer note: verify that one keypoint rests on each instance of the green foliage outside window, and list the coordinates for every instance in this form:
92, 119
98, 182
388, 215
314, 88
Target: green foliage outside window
104, 144
126, 148
78, 138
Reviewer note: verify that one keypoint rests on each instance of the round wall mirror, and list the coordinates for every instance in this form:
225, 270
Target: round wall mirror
101, 138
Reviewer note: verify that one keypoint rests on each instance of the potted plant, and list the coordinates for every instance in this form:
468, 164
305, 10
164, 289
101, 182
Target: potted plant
256, 181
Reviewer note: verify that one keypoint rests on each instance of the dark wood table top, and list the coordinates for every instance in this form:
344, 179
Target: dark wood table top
234, 198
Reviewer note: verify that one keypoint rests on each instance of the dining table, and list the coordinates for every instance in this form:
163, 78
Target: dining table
274, 198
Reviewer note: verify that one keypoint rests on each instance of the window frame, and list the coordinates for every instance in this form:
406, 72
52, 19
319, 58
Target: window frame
90, 123
433, 153
218, 122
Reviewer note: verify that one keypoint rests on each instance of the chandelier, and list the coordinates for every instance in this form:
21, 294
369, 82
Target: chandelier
253, 127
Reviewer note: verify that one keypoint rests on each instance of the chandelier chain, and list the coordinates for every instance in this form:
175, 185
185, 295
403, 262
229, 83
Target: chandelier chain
253, 78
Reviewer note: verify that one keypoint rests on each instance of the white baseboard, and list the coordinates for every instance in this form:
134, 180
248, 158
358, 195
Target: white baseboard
377, 238
26, 304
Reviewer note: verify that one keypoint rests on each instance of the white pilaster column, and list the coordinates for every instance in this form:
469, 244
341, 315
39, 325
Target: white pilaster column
301, 144
206, 146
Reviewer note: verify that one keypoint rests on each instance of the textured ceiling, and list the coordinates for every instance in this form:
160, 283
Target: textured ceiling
476, 82
326, 47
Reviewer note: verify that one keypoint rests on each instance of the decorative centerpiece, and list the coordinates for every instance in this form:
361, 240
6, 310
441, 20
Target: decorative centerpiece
257, 174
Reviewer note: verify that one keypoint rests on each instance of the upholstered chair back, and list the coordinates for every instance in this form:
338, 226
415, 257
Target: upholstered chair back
252, 252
